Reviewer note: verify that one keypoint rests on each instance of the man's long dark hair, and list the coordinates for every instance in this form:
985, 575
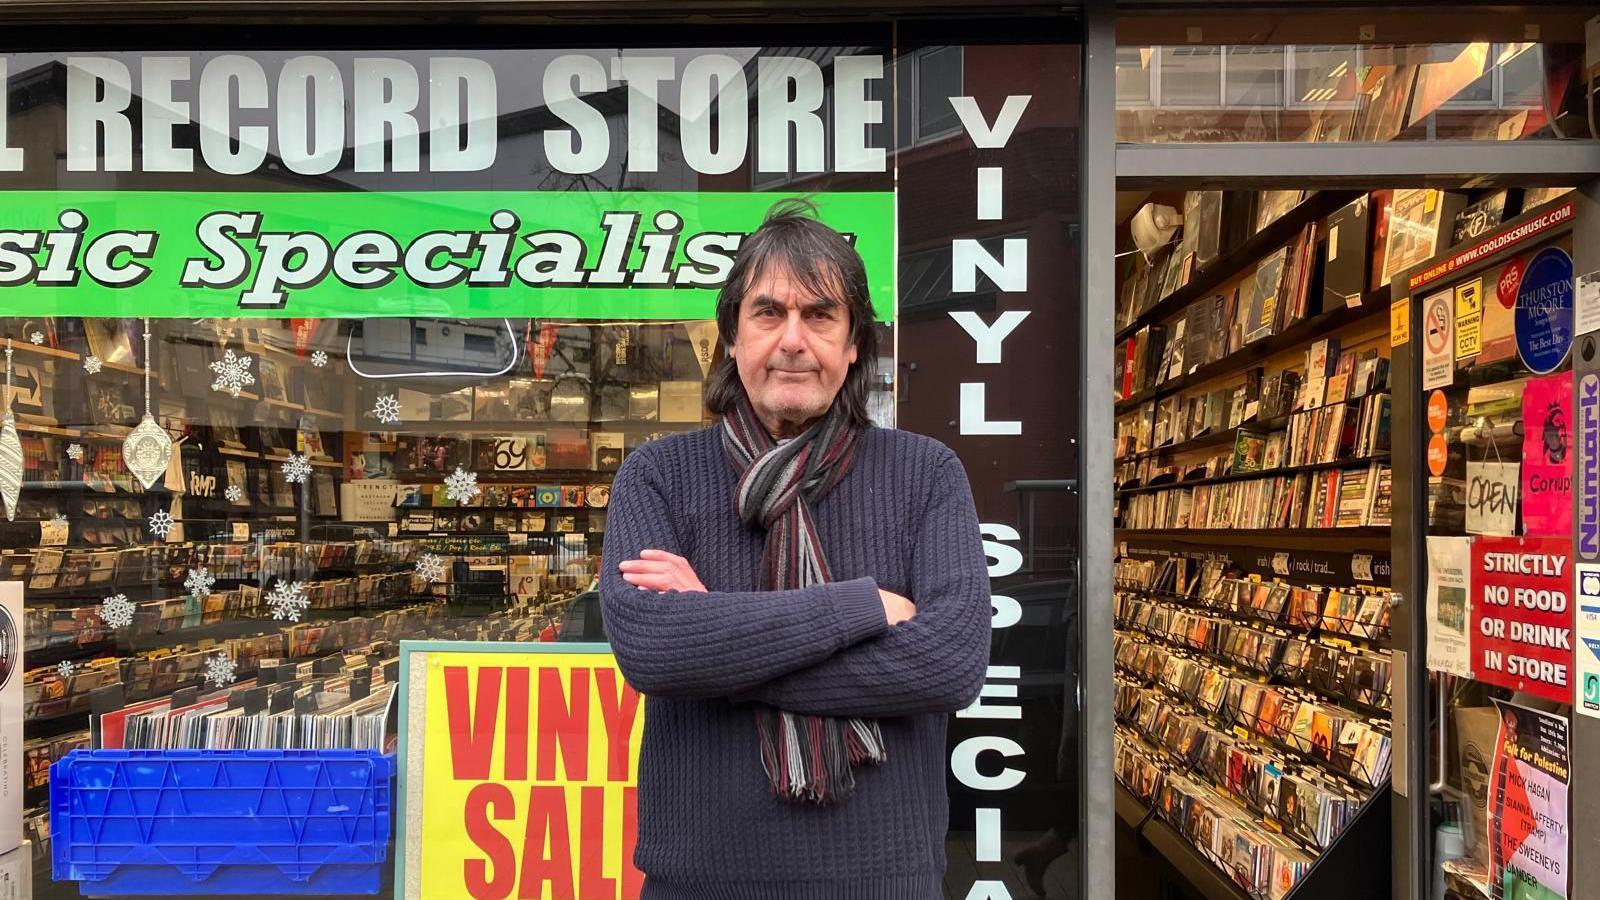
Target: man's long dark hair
825, 263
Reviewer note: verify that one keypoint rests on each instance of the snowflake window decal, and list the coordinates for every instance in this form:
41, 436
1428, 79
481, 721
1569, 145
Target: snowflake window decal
288, 600
220, 669
387, 409
319, 358
161, 523
461, 485
116, 612
233, 493
233, 373
199, 583
297, 468
36, 338
430, 568
92, 364
65, 668
75, 452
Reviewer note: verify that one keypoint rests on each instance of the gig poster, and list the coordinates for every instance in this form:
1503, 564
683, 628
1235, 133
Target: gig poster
1528, 823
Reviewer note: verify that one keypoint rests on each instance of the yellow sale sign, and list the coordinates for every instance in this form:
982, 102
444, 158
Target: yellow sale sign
519, 772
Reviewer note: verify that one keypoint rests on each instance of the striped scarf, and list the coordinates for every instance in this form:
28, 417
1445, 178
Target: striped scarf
808, 759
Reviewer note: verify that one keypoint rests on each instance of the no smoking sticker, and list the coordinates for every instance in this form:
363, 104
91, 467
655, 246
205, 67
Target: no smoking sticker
1438, 340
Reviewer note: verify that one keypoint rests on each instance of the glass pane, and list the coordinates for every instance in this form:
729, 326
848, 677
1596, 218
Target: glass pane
1014, 788
1191, 76
1255, 76
939, 78
1478, 79
412, 314
1133, 76
1498, 464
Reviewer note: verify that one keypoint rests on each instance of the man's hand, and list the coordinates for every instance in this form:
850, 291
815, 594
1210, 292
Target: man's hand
896, 608
658, 570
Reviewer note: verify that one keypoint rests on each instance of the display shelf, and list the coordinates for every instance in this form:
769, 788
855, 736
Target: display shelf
1228, 265
1295, 336
523, 426
1210, 439
1372, 538
1352, 463
1378, 639
1190, 863
23, 345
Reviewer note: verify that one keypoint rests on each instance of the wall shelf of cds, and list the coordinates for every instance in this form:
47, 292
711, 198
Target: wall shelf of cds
1254, 502
1228, 234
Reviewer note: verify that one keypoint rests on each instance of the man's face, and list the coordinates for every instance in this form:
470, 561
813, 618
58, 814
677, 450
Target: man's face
792, 349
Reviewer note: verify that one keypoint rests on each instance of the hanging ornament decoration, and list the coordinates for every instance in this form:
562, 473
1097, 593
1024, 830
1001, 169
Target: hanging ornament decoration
10, 450
703, 340
147, 450
540, 350
624, 340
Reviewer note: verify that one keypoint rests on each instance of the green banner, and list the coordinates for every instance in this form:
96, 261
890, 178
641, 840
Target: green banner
457, 254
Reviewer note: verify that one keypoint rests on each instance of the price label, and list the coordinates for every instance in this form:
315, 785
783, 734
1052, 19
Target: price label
1280, 563
53, 532
241, 531
394, 528
518, 539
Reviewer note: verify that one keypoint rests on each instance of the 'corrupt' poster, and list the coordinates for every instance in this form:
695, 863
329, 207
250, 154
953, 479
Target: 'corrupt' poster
1528, 834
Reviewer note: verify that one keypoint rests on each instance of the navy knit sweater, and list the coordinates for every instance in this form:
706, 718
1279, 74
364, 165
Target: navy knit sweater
709, 825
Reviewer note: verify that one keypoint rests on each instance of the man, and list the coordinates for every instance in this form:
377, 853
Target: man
803, 600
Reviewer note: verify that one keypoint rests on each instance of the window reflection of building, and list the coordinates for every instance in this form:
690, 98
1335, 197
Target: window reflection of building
1464, 90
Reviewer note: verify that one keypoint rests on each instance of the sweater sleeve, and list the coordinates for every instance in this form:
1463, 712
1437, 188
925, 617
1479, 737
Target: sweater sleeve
935, 661
688, 644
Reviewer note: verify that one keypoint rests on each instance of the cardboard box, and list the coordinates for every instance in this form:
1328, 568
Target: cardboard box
16, 873
11, 775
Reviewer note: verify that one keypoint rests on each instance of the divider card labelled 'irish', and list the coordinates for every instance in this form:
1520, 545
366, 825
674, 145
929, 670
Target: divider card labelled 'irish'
1522, 614
520, 772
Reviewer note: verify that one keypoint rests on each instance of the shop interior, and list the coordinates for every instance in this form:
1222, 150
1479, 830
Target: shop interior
1269, 444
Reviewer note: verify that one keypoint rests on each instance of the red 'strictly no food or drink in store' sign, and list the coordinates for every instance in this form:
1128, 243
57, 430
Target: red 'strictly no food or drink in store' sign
1522, 618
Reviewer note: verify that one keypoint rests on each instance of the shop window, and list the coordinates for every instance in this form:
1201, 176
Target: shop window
1323, 77
1135, 76
1253, 76
1190, 76
1490, 83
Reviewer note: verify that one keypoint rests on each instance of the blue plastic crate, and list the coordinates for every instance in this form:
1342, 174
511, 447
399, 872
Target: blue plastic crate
256, 822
